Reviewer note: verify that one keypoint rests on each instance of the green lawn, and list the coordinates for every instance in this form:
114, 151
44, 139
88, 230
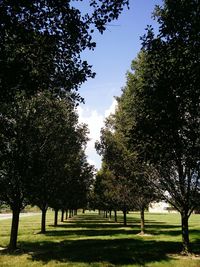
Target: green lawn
90, 240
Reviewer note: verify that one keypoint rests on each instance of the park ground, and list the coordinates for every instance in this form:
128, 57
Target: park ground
91, 240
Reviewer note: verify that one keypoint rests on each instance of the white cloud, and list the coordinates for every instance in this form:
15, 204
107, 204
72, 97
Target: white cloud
95, 122
111, 109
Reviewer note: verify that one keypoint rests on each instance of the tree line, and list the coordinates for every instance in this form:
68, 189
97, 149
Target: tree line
42, 157
150, 145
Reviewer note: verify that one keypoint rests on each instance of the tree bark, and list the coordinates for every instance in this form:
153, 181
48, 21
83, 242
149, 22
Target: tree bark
56, 217
115, 215
106, 214
70, 213
185, 233
62, 215
66, 214
99, 212
83, 211
43, 221
142, 221
125, 221
110, 215
14, 229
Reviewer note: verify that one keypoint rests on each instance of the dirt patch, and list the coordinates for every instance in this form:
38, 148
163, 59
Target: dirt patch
144, 234
190, 256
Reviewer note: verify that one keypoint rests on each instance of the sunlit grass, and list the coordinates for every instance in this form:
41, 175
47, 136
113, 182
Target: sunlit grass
91, 240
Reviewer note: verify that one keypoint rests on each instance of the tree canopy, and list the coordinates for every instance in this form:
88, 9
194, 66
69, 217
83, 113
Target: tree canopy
41, 44
163, 106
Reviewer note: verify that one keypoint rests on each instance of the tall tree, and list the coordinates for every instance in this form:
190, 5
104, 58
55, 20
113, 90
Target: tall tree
56, 139
118, 161
80, 182
106, 195
14, 163
165, 94
124, 120
38, 137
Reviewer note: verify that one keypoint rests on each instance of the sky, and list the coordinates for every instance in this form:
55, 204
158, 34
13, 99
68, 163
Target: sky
111, 60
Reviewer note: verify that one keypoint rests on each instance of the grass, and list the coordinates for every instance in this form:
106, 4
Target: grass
90, 240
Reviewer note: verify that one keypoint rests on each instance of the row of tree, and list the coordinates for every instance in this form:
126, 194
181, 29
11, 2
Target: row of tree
151, 144
42, 159
42, 156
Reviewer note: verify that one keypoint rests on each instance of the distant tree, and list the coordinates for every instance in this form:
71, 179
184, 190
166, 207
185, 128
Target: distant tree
41, 44
140, 173
106, 196
145, 193
56, 139
164, 106
80, 182
118, 161
133, 178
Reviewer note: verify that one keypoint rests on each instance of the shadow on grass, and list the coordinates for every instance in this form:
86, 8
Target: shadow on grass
87, 247
101, 227
112, 230
93, 232
117, 251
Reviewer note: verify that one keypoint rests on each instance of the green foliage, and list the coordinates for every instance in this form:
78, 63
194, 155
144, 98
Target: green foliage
133, 178
106, 195
79, 182
164, 114
41, 44
116, 173
42, 154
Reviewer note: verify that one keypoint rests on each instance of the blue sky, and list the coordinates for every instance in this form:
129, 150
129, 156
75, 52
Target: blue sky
111, 59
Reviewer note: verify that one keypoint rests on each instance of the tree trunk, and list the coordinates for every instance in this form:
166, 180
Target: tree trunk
43, 221
110, 215
14, 229
106, 214
62, 215
70, 213
66, 214
75, 212
83, 211
125, 221
142, 221
185, 233
56, 217
99, 212
115, 215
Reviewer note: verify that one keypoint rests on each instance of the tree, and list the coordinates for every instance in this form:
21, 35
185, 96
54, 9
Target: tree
41, 44
118, 160
38, 137
80, 182
106, 196
133, 177
14, 161
165, 106
56, 139
124, 120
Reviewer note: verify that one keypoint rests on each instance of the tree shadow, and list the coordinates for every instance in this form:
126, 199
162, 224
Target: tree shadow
98, 240
116, 251
113, 229
91, 227
93, 232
